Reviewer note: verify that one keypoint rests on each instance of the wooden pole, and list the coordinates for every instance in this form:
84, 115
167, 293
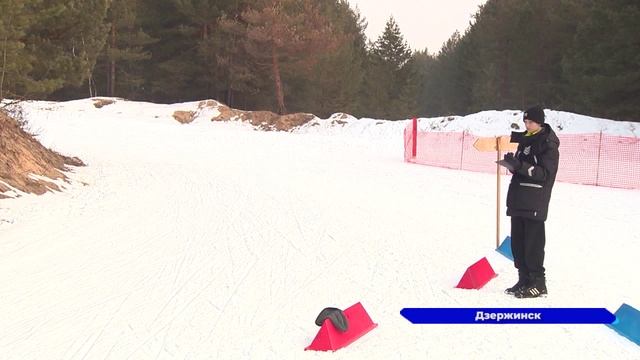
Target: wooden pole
497, 144
498, 152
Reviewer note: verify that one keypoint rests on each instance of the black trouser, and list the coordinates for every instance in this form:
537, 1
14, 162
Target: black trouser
527, 246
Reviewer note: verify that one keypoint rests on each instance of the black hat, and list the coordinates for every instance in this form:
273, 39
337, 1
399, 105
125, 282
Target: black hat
535, 114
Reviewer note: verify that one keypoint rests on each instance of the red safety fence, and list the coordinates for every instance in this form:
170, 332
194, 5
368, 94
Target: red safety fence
591, 159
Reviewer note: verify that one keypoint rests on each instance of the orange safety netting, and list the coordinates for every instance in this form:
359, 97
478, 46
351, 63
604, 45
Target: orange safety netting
590, 159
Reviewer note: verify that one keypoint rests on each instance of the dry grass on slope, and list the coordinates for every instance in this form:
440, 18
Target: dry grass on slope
24, 161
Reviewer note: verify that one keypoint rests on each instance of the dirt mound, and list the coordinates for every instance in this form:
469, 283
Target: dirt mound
264, 120
184, 117
99, 103
24, 161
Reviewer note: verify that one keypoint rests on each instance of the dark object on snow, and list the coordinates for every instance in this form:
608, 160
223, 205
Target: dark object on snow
336, 316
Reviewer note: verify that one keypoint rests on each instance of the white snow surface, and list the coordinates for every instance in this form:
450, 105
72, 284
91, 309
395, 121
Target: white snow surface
213, 241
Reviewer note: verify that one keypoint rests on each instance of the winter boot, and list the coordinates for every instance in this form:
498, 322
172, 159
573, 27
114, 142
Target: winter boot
523, 280
536, 288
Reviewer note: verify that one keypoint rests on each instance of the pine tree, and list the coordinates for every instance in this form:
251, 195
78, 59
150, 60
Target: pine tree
493, 33
335, 84
125, 49
14, 62
423, 64
202, 16
170, 72
391, 46
286, 33
388, 82
234, 64
444, 88
603, 66
65, 41
185, 63
515, 50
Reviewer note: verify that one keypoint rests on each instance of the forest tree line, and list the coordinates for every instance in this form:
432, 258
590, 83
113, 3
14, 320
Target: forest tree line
313, 56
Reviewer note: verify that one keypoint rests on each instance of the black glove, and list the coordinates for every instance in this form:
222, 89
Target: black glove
513, 161
336, 316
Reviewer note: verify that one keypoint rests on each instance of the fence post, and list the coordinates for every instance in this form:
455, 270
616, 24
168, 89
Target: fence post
414, 150
599, 153
464, 132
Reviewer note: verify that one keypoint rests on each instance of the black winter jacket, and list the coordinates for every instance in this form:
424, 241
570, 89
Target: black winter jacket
531, 185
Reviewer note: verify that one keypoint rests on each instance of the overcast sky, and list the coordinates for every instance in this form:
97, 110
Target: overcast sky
423, 23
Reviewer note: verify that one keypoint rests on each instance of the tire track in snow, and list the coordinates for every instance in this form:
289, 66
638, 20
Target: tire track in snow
232, 296
168, 325
113, 315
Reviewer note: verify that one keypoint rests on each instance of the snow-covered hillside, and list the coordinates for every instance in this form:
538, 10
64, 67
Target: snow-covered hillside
210, 240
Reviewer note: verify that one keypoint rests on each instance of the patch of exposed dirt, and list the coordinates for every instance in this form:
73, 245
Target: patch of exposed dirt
184, 117
226, 113
264, 120
208, 104
22, 156
98, 103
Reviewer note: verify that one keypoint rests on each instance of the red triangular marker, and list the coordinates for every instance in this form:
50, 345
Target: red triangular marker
330, 338
477, 275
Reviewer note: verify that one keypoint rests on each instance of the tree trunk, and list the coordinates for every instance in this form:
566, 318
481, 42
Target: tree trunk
112, 65
89, 81
4, 65
278, 82
89, 71
505, 94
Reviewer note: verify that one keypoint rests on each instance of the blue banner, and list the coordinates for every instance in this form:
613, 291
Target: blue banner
508, 315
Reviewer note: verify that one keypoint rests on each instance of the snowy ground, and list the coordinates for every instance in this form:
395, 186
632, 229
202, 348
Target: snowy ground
214, 241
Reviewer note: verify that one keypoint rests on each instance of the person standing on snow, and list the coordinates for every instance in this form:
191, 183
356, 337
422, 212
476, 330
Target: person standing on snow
534, 167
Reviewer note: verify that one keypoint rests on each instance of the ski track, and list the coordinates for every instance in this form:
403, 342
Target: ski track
211, 241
